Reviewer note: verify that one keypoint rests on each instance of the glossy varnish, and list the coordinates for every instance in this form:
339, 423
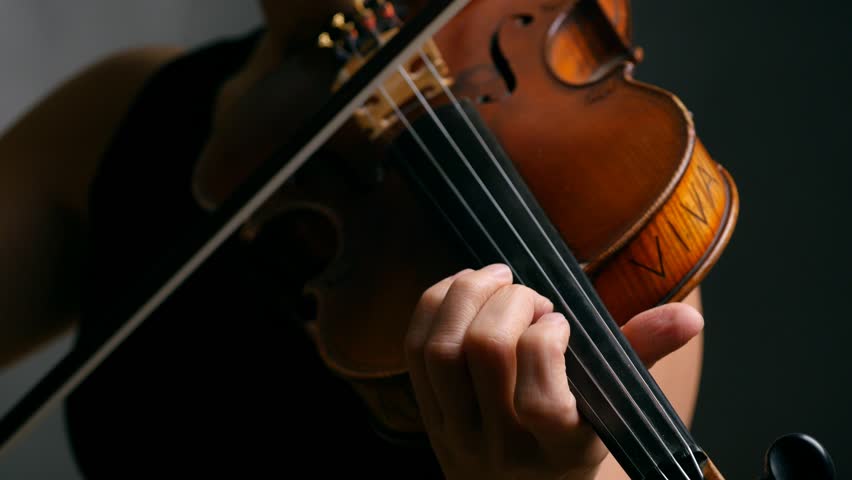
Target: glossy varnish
615, 164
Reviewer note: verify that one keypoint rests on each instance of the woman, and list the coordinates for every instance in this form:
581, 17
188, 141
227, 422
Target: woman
97, 178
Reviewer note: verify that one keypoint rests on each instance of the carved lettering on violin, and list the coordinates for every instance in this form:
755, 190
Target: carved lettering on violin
661, 270
677, 235
700, 216
707, 180
694, 225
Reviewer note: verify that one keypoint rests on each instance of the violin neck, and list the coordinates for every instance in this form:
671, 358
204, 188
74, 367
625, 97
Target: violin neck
473, 183
711, 472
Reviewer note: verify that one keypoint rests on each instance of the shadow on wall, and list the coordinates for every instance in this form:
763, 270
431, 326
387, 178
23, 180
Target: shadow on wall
41, 44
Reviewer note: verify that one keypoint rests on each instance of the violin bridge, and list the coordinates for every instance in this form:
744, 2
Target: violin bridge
378, 115
357, 38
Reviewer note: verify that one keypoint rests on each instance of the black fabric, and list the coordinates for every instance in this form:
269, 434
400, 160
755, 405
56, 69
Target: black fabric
216, 381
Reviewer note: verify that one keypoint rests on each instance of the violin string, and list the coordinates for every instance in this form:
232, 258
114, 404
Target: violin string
434, 72
422, 145
404, 119
424, 102
452, 186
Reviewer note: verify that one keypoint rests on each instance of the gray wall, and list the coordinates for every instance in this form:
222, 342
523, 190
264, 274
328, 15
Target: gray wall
768, 83
41, 43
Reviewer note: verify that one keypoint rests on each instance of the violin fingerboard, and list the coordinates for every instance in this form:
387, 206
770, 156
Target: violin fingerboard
460, 167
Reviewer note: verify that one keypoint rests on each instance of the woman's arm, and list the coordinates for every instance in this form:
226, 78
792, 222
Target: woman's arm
48, 159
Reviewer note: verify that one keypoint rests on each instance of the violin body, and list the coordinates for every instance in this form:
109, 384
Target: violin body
614, 163
541, 152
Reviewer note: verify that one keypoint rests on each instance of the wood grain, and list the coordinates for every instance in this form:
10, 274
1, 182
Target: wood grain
676, 249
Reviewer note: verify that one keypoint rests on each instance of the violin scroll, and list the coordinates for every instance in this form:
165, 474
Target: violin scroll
798, 456
795, 456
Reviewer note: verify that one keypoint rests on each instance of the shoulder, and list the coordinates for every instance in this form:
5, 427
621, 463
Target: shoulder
54, 147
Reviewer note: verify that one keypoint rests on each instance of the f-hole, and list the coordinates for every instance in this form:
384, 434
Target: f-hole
500, 61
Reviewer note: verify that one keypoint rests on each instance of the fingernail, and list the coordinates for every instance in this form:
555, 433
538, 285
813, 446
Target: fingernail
499, 271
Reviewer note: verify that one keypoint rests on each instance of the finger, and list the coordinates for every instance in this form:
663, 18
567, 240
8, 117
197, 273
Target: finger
543, 306
490, 346
657, 332
444, 358
543, 400
415, 340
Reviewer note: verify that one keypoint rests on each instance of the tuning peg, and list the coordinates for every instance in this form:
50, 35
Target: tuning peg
369, 22
325, 41
388, 13
798, 457
333, 40
338, 21
347, 27
346, 30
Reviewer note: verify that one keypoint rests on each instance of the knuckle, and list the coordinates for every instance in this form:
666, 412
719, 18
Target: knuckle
466, 296
549, 340
471, 287
537, 409
430, 300
442, 352
556, 340
520, 294
488, 344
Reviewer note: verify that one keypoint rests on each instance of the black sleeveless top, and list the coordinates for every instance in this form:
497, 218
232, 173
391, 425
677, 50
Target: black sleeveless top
215, 382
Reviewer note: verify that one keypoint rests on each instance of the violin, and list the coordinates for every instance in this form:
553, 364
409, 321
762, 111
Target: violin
457, 135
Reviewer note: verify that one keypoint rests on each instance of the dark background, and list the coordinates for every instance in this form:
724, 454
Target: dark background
769, 86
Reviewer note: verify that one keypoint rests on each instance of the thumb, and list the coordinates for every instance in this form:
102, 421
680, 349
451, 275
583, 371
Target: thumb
659, 331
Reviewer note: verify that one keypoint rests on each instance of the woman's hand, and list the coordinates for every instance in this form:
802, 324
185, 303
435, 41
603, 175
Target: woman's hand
487, 363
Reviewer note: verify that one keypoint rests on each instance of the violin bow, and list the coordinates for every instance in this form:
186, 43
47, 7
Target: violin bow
199, 244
